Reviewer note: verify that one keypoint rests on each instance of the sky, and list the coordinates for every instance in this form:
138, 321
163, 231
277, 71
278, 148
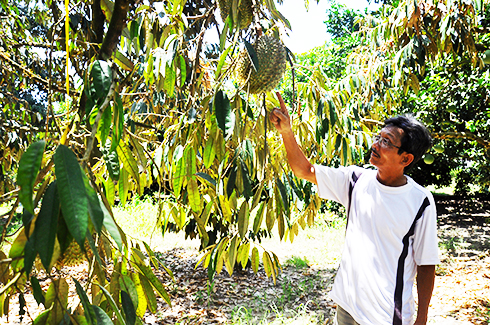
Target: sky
308, 29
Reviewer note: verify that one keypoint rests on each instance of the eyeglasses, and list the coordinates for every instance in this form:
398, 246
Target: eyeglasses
385, 142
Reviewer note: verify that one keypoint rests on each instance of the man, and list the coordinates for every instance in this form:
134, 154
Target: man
391, 234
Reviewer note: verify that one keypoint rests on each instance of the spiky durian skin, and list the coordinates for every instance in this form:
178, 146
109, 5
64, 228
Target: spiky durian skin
271, 57
224, 8
73, 255
245, 11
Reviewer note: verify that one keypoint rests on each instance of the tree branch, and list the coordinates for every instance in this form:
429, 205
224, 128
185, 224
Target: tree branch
29, 74
116, 26
462, 135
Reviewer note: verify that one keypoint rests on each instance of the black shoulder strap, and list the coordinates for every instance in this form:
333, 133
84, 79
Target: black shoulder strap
351, 189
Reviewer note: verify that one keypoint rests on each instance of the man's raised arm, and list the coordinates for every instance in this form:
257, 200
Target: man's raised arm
300, 165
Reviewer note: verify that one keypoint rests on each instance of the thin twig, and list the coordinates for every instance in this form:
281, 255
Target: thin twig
11, 216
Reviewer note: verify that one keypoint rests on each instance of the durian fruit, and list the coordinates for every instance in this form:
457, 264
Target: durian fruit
73, 255
245, 11
271, 57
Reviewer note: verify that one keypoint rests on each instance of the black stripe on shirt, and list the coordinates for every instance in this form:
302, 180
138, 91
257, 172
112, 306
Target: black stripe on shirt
397, 317
351, 188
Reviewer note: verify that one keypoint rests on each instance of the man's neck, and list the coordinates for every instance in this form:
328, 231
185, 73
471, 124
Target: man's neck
393, 180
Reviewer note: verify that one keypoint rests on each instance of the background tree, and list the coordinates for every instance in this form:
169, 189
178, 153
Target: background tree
434, 58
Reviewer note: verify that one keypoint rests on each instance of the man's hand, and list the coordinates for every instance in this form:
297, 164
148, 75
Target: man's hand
279, 117
300, 165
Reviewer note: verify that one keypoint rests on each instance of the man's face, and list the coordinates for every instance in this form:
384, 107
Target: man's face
384, 151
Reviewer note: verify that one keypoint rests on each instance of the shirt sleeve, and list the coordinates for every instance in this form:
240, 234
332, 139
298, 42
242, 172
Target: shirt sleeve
333, 183
425, 244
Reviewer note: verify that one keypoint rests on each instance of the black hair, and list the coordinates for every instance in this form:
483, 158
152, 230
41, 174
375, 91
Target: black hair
416, 138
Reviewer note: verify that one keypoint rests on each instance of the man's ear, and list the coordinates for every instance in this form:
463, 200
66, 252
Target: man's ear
407, 159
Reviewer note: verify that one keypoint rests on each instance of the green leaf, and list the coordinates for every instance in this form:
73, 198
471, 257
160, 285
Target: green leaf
111, 161
179, 216
207, 178
156, 284
232, 251
37, 291
140, 153
57, 300
107, 7
190, 161
269, 217
101, 317
243, 216
319, 109
333, 113
230, 186
202, 221
122, 61
247, 186
255, 259
73, 197
112, 227
224, 115
149, 293
110, 191
29, 166
267, 264
194, 195
94, 249
284, 193
244, 254
141, 298
89, 312
169, 83
128, 308
30, 254
113, 305
123, 186
183, 70
129, 163
252, 55
46, 225
129, 287
63, 234
276, 14
224, 33
338, 142
118, 123
99, 81
94, 206
259, 217
105, 123
179, 170
42, 318
222, 60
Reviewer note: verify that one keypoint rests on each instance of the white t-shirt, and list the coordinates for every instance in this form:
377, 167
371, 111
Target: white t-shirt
390, 230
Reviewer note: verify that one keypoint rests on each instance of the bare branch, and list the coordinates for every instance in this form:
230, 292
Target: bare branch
462, 135
29, 74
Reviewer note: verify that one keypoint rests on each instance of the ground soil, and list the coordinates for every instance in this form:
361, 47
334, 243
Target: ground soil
461, 294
